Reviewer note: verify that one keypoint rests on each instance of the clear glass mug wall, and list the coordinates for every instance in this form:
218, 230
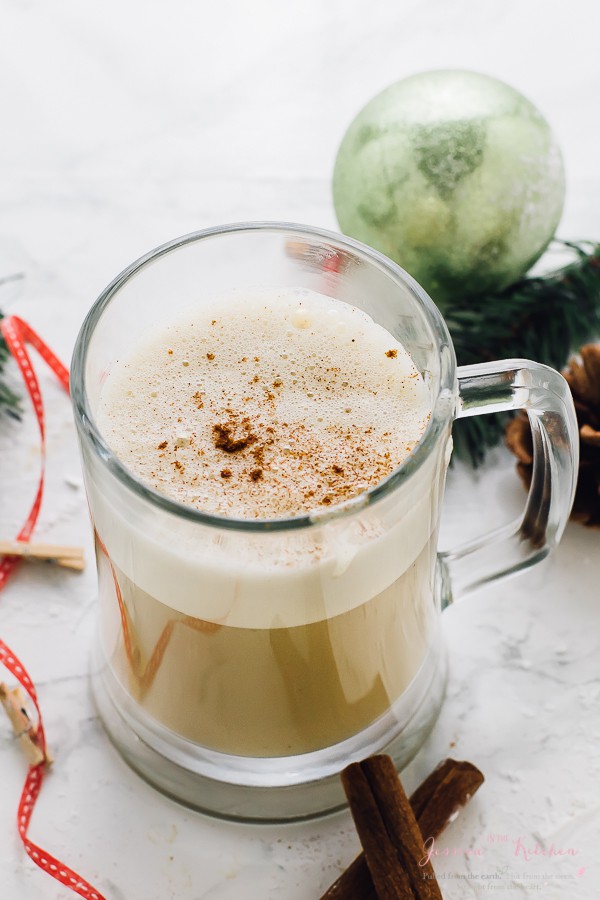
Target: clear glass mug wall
241, 664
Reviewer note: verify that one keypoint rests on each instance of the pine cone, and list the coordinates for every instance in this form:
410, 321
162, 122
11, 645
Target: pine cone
584, 380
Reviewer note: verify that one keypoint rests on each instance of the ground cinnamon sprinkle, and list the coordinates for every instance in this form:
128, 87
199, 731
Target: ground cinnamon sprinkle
233, 436
282, 432
259, 452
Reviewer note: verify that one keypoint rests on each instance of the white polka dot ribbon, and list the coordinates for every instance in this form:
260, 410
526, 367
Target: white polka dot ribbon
17, 335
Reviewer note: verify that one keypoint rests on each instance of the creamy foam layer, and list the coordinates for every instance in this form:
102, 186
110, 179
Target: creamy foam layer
271, 580
272, 405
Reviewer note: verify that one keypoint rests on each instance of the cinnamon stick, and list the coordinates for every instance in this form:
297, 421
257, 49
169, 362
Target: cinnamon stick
435, 803
376, 833
355, 883
455, 787
388, 831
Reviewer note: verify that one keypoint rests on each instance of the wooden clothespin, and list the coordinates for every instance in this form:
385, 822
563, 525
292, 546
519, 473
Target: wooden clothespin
67, 557
25, 730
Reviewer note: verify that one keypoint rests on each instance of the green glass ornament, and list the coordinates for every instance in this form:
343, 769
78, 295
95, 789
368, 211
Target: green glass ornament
454, 175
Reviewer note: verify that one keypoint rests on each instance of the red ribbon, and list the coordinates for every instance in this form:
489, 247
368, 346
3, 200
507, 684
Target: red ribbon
17, 335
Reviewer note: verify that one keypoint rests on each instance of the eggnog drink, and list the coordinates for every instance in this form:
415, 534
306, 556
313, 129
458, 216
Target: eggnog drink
278, 405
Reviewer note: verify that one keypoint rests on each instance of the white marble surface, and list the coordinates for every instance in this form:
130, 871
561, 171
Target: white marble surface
125, 124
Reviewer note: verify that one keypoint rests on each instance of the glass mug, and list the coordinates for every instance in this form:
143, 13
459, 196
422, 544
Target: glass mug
241, 664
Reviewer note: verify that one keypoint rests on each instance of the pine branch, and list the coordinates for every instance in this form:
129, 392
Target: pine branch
545, 318
9, 401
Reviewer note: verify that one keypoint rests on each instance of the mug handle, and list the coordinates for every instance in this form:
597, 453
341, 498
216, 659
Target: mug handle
510, 385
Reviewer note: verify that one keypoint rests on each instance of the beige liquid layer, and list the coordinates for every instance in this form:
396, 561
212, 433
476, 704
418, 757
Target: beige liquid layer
268, 691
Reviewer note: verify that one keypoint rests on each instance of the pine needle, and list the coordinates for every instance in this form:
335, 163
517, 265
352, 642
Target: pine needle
9, 401
545, 318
